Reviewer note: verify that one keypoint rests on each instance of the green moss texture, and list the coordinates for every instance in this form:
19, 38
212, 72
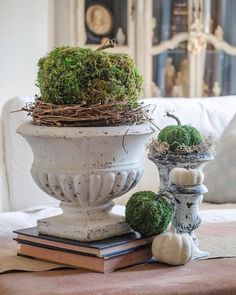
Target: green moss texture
72, 75
177, 136
148, 213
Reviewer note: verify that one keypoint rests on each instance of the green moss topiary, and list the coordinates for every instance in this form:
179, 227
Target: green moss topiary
72, 75
148, 213
179, 135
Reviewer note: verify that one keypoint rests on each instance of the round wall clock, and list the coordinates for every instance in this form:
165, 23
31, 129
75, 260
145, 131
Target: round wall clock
99, 19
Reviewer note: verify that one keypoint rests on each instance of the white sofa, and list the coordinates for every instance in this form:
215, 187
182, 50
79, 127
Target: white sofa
22, 202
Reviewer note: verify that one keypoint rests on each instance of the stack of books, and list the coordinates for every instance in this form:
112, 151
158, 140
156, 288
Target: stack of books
102, 256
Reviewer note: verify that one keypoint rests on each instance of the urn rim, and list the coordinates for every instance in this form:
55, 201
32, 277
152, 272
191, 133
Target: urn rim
30, 129
182, 158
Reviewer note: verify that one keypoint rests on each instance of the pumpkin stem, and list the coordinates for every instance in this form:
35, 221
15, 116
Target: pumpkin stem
174, 117
108, 44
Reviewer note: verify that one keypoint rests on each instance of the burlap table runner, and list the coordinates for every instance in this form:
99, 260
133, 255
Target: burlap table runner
218, 238
10, 261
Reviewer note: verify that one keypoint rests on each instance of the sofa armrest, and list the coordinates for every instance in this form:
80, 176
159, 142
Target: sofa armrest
4, 195
18, 157
210, 115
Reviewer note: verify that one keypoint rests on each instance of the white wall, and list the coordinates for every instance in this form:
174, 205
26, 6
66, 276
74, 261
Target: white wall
23, 40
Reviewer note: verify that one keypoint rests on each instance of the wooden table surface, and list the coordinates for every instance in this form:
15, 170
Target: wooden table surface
212, 276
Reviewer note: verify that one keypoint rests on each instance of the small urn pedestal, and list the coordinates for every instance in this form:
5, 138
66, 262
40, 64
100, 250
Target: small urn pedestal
165, 163
186, 217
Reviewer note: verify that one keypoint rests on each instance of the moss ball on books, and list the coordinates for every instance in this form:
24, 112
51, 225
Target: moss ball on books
148, 213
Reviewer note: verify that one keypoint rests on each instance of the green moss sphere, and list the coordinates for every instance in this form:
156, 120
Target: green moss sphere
195, 135
180, 135
148, 213
72, 75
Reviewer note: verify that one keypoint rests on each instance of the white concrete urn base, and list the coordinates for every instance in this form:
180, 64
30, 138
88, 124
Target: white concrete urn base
86, 168
93, 224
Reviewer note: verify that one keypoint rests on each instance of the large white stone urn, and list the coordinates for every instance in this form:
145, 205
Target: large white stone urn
86, 168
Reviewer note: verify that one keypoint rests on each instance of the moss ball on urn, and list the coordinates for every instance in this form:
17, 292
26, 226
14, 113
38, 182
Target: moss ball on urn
72, 75
179, 135
148, 213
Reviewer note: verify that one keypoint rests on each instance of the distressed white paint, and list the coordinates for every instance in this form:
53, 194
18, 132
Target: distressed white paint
186, 218
86, 168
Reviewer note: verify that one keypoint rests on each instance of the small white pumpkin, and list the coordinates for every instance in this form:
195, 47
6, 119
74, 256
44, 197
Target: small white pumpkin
172, 248
186, 177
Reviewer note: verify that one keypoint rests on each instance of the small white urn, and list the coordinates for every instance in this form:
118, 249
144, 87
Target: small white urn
86, 168
187, 188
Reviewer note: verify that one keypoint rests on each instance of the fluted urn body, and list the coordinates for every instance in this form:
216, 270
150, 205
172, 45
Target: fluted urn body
86, 168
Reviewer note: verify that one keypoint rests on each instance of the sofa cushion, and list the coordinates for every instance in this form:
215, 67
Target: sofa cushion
221, 173
209, 115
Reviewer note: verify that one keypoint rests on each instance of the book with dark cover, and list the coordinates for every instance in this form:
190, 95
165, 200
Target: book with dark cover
100, 248
100, 264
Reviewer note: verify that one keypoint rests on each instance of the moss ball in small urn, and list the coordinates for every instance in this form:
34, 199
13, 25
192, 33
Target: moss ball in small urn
180, 146
179, 135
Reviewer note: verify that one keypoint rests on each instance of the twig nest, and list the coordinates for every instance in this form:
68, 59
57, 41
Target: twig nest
179, 135
172, 248
186, 177
148, 213
72, 75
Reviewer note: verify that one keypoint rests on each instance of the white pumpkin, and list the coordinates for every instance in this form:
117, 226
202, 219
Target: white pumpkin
173, 248
186, 177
